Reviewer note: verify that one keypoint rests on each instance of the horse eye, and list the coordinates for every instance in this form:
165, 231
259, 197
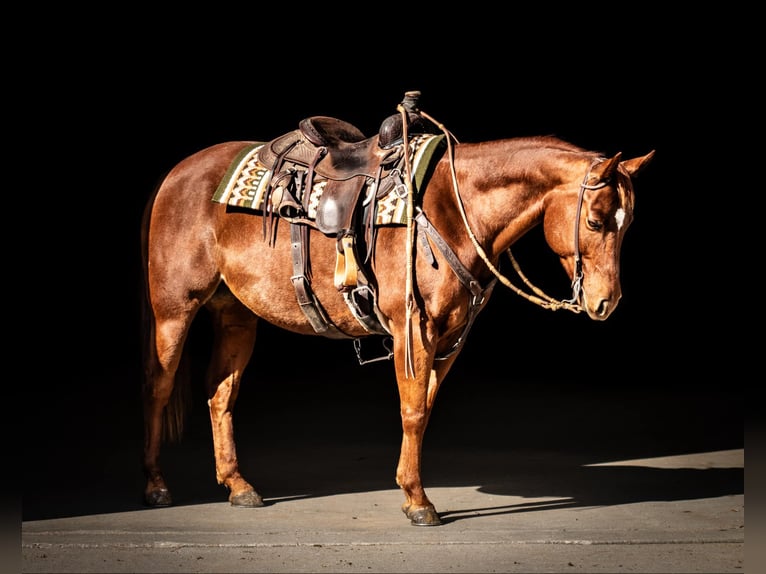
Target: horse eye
594, 225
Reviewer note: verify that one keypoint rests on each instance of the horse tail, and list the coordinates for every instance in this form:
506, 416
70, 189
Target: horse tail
175, 412
180, 401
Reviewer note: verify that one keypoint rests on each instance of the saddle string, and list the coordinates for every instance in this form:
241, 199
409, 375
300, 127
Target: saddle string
409, 367
539, 297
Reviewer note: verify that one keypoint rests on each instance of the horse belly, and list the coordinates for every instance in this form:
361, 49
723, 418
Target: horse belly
259, 274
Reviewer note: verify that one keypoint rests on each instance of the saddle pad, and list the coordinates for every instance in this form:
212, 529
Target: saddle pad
246, 181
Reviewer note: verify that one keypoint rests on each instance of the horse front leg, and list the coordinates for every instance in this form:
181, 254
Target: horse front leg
417, 393
234, 329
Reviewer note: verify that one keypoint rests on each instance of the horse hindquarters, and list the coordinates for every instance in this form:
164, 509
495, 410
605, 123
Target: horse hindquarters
182, 275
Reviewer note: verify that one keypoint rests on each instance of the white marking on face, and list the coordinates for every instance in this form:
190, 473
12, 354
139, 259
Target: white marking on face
619, 216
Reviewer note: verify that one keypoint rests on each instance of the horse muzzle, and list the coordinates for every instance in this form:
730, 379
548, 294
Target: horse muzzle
599, 308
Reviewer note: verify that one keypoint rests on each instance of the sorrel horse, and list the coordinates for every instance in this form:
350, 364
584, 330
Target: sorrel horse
429, 275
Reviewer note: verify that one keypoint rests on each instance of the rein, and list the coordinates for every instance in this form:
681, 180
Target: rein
539, 297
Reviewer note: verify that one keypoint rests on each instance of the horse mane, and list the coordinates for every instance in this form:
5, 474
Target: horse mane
623, 184
540, 143
526, 150
551, 141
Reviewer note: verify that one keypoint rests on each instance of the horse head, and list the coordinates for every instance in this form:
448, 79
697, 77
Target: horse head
585, 222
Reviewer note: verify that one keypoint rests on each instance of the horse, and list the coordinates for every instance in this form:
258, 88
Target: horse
419, 282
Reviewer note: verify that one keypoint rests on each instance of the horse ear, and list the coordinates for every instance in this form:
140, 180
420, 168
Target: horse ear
604, 170
635, 165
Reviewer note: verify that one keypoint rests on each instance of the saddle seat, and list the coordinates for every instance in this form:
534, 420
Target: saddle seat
332, 148
327, 131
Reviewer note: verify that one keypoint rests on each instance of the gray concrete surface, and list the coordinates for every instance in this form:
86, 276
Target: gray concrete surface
487, 529
542, 478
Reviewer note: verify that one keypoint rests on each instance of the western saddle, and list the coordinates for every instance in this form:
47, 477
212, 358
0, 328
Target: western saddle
335, 156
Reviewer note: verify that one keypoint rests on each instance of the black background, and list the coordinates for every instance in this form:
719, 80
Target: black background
123, 100
131, 105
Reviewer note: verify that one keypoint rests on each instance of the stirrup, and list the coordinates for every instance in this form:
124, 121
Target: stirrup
346, 269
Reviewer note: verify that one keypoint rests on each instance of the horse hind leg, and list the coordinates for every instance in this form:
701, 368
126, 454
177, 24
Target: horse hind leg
234, 330
163, 409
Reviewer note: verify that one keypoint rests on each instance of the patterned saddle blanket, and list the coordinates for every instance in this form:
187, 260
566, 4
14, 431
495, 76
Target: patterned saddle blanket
247, 182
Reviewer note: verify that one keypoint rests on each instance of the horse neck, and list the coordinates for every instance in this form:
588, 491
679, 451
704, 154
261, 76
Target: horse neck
503, 186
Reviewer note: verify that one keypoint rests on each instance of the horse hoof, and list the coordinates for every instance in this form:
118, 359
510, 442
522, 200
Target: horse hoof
247, 499
159, 497
424, 517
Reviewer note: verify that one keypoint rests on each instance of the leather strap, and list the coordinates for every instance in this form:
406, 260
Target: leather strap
299, 237
479, 295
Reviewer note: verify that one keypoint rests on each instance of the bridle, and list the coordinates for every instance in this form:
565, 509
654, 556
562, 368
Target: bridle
577, 276
478, 299
538, 296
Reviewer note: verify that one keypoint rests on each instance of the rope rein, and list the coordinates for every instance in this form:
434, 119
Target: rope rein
538, 296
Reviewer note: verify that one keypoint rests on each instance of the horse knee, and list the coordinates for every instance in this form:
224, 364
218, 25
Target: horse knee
413, 420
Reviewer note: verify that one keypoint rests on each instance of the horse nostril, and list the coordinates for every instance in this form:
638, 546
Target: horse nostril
603, 308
